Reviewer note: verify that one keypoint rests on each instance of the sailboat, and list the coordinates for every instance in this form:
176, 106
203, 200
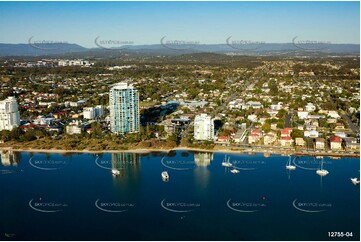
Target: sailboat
226, 162
289, 166
321, 171
355, 181
115, 172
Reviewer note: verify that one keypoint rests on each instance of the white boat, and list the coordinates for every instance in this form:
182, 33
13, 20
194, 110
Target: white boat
321, 171
226, 162
165, 175
289, 166
235, 171
115, 172
355, 181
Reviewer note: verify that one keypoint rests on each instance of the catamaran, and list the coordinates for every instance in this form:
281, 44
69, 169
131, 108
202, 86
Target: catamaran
226, 162
289, 166
355, 181
321, 171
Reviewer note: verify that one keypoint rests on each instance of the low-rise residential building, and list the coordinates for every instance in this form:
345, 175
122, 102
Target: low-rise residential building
335, 143
286, 141
302, 114
339, 126
300, 142
74, 129
89, 113
333, 114
252, 118
310, 107
254, 136
310, 134
286, 132
277, 106
239, 136
223, 139
350, 143
320, 144
270, 138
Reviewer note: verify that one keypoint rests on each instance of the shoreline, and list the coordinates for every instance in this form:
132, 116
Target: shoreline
147, 151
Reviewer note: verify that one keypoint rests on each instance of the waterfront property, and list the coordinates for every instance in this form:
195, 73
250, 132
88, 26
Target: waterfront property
124, 108
203, 127
9, 114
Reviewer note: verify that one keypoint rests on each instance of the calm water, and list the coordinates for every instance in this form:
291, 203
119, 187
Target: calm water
75, 197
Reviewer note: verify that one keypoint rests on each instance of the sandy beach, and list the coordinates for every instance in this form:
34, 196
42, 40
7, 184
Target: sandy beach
270, 151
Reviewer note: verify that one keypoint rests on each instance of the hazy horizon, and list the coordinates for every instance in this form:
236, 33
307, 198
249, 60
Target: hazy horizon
146, 23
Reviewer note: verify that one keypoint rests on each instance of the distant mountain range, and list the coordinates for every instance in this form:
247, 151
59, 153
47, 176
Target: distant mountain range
33, 50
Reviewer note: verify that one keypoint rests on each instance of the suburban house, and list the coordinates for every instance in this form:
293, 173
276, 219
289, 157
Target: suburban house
300, 142
223, 139
310, 107
254, 136
286, 132
320, 143
310, 134
339, 126
302, 114
350, 143
286, 141
270, 138
335, 143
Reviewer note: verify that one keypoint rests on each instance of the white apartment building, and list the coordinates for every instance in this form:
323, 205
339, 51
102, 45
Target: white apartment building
203, 127
9, 114
89, 113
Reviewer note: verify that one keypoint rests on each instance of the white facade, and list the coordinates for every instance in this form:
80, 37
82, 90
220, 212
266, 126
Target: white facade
89, 113
9, 114
302, 114
203, 127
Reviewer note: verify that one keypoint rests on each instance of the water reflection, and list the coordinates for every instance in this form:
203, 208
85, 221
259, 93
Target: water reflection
127, 163
10, 158
203, 159
201, 172
127, 182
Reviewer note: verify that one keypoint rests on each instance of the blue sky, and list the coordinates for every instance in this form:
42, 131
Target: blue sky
205, 22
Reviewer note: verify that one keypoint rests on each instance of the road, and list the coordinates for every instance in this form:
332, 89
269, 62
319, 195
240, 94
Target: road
288, 119
352, 126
